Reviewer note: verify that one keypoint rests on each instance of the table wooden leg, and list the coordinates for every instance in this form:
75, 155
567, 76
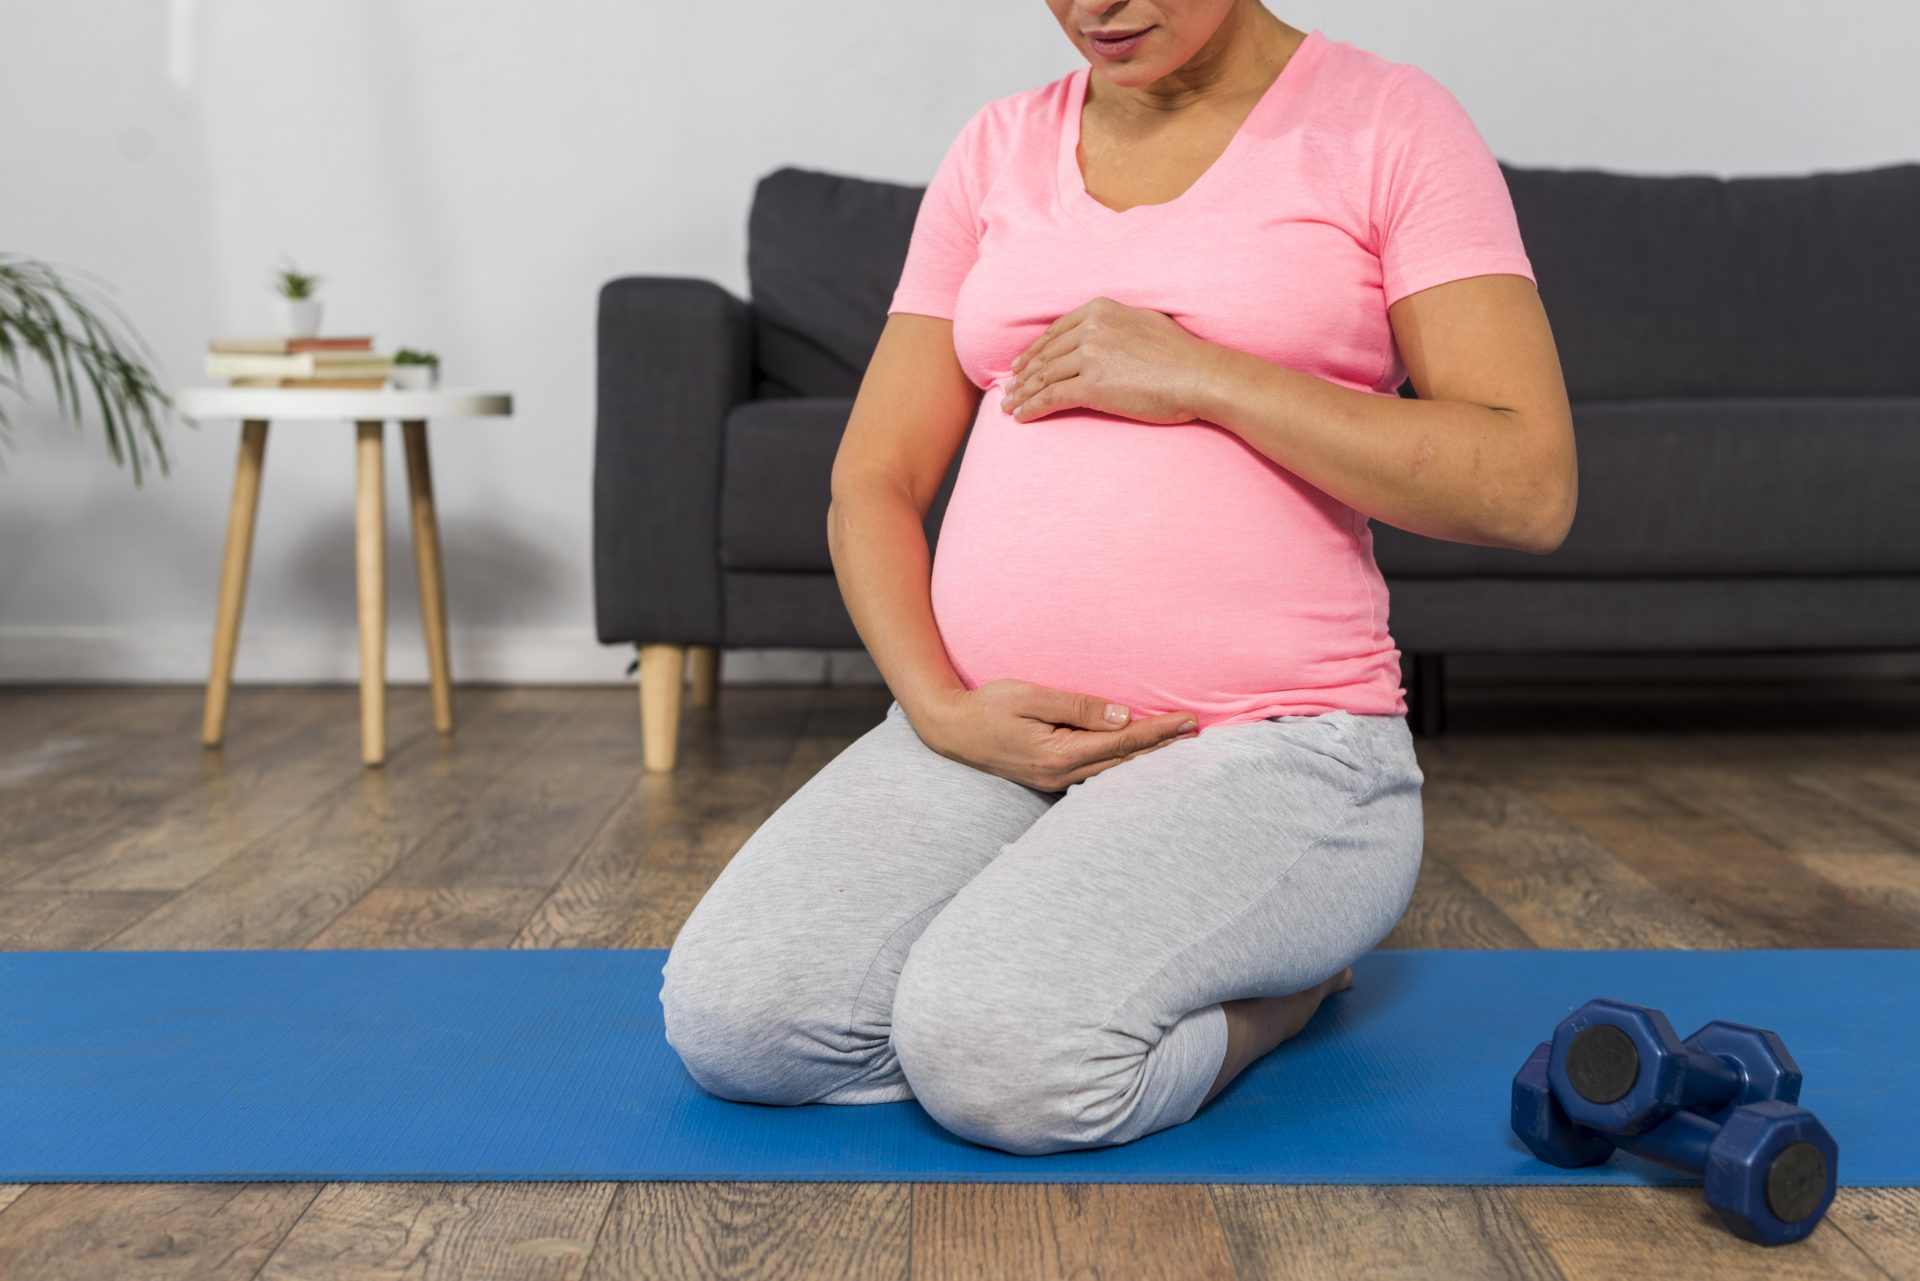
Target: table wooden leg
233, 577
426, 559
370, 572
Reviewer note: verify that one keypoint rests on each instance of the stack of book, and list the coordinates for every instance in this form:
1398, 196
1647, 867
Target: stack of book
298, 362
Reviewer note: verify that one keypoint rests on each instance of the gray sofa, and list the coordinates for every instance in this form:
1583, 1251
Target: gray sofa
1740, 354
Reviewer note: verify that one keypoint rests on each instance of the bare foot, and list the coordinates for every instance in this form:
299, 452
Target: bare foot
1259, 1023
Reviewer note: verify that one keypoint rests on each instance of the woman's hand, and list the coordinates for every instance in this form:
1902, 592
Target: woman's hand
1105, 355
1040, 737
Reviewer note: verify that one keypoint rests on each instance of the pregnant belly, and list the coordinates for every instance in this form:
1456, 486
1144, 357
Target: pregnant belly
1168, 568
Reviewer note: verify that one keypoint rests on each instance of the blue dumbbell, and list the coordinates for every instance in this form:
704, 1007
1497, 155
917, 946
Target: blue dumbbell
1721, 1104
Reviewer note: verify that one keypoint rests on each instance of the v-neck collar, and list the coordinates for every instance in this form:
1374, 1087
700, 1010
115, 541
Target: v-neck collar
1071, 185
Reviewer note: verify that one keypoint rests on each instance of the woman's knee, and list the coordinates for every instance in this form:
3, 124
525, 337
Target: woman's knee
969, 1079
751, 1024
988, 1056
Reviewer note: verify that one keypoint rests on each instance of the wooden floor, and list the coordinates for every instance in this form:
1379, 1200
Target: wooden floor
1564, 818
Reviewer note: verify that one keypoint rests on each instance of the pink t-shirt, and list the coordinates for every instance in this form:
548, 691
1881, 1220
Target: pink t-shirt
1177, 567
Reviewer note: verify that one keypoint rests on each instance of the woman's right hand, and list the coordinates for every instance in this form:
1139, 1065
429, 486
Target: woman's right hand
1038, 736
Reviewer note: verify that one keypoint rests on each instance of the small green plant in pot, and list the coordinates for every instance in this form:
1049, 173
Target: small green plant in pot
299, 309
48, 317
419, 370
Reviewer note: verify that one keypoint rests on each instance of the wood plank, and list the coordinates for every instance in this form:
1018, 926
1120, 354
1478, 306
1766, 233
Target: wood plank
1884, 796
1798, 810
1784, 801
30, 713
642, 873
1720, 870
1446, 911
781, 1231
458, 1231
259, 790
147, 1231
115, 772
10, 1192
1561, 887
1606, 1233
475, 881
1143, 1231
283, 891
526, 829
452, 916
1883, 1222
1312, 1232
644, 870
61, 730
62, 920
1889, 878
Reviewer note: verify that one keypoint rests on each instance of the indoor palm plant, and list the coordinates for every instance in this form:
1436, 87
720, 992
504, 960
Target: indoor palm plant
49, 318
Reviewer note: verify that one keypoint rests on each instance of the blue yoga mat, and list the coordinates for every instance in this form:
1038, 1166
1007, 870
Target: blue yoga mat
498, 1064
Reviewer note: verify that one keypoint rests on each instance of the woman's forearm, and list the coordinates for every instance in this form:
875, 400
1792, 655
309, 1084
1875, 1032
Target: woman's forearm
1445, 469
878, 540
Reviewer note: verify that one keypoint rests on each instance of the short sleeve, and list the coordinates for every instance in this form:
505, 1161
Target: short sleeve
1440, 206
946, 231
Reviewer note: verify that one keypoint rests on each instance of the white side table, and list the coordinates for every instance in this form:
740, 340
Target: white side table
369, 410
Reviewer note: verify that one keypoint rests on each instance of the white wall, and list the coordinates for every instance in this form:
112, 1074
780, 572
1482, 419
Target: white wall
466, 175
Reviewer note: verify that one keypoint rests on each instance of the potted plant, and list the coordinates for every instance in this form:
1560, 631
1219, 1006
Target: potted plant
299, 309
44, 315
416, 369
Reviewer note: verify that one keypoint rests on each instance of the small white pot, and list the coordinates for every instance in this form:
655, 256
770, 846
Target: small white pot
416, 377
299, 317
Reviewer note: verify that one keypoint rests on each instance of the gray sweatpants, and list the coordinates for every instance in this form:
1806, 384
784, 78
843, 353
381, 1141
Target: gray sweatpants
1041, 970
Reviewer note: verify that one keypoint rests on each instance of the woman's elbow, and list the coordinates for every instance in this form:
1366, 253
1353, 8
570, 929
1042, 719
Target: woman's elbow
1550, 527
1547, 517
1538, 513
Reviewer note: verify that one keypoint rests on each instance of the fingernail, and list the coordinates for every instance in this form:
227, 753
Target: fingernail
1185, 726
1116, 713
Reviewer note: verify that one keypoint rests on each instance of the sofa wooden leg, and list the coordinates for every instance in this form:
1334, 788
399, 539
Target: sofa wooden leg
662, 669
703, 664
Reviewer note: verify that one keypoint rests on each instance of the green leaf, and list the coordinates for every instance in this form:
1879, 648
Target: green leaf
95, 340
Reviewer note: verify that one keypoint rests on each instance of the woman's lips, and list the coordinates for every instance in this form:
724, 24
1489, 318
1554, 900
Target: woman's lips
1118, 48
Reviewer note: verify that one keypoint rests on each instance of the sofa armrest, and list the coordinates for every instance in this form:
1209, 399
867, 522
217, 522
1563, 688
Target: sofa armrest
673, 356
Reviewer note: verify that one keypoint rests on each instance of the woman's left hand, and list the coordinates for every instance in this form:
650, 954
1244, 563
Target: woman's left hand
1105, 355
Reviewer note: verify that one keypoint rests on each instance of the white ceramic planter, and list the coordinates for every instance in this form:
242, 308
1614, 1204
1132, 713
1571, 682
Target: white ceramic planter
416, 377
299, 317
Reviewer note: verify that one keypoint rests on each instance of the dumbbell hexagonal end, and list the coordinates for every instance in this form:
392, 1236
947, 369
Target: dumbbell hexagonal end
1771, 1171
1616, 1068
1543, 1125
1766, 1069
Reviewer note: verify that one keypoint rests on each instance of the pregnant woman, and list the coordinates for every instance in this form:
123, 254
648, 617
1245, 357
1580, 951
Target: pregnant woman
1146, 789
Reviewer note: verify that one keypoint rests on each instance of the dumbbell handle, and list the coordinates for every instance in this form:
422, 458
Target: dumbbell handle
1709, 1081
1680, 1142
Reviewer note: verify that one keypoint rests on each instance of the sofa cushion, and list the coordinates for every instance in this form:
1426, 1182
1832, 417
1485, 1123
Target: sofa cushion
1739, 486
776, 474
1687, 285
1675, 487
1657, 285
824, 252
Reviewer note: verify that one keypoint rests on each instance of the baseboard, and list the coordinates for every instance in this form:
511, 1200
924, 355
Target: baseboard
557, 656
485, 656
